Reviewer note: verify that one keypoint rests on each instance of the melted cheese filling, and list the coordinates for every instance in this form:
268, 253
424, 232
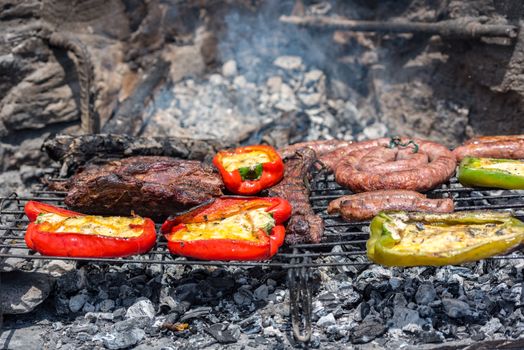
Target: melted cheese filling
514, 167
243, 226
437, 240
243, 160
112, 226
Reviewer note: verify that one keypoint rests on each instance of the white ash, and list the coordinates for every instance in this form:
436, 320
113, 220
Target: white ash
231, 105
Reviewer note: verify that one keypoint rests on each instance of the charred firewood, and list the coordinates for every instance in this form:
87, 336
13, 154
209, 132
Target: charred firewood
74, 151
464, 28
289, 128
128, 119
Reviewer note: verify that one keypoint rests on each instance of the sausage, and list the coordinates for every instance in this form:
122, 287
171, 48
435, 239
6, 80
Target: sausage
506, 146
409, 174
331, 159
495, 138
379, 159
364, 206
320, 147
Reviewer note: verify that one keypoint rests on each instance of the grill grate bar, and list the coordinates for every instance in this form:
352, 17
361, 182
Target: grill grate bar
327, 244
469, 207
37, 198
152, 261
491, 206
58, 193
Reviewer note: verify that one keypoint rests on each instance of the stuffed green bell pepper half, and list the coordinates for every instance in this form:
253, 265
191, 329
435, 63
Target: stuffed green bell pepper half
422, 239
489, 172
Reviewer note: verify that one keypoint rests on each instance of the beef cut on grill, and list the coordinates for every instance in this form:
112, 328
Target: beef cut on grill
304, 225
150, 186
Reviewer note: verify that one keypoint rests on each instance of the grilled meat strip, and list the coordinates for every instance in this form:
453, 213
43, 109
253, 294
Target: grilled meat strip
364, 206
304, 225
150, 186
508, 146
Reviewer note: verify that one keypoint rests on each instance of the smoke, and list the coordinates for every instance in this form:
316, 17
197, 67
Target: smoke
254, 39
271, 69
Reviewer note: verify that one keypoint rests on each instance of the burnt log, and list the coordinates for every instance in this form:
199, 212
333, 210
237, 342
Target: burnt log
73, 151
128, 119
463, 28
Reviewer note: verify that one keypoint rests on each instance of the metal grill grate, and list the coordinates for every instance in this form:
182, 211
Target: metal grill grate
349, 238
343, 243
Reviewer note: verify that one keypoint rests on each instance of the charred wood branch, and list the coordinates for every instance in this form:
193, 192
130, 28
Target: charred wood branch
84, 69
128, 119
73, 151
464, 28
89, 120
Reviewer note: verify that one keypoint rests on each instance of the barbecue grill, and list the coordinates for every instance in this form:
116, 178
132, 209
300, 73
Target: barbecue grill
299, 260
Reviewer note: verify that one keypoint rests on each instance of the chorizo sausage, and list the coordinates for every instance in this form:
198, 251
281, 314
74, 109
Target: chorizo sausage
364, 206
411, 173
506, 146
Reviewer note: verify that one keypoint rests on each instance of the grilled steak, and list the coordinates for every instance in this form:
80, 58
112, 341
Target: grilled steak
304, 225
150, 186
365, 205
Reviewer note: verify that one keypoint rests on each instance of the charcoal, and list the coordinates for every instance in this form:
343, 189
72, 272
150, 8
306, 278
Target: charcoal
514, 294
195, 313
22, 292
94, 316
244, 296
395, 283
455, 308
141, 308
478, 336
251, 325
119, 314
88, 307
123, 340
403, 316
77, 302
86, 328
365, 309
222, 283
187, 292
425, 294
221, 334
261, 293
368, 330
372, 277
410, 288
327, 320
425, 311
72, 282
399, 300
429, 337
271, 332
106, 305
491, 327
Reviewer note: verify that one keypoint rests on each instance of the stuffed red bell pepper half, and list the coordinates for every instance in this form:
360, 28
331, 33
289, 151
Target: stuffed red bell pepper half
229, 228
250, 169
55, 231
